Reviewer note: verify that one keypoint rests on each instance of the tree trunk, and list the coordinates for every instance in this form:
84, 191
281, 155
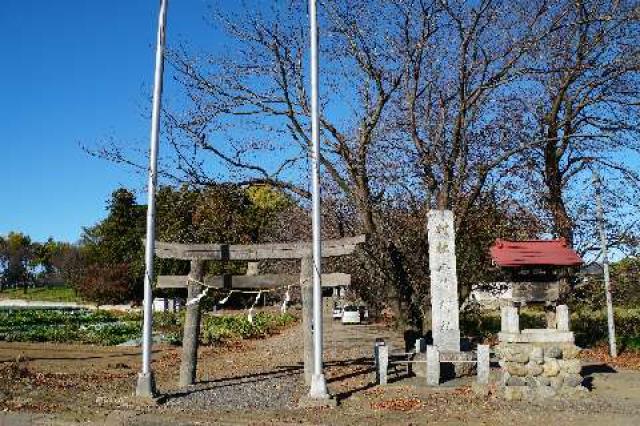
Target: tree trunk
188, 366
562, 223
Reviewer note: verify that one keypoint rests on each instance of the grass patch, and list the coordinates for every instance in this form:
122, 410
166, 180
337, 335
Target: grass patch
53, 293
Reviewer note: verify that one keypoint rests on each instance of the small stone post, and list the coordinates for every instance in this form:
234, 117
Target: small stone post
379, 342
484, 365
550, 315
188, 365
382, 362
306, 289
510, 320
253, 269
433, 366
420, 344
562, 317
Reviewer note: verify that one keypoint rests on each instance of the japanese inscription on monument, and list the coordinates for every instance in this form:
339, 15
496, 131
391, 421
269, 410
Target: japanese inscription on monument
444, 281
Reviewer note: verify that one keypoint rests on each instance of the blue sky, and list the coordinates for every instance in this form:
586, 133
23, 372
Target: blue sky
76, 72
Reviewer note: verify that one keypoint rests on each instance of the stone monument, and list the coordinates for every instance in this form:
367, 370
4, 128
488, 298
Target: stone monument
443, 359
444, 281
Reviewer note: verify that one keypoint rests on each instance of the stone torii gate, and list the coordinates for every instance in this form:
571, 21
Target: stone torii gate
199, 253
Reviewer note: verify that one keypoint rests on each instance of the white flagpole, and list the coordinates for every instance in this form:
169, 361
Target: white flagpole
146, 383
613, 350
318, 388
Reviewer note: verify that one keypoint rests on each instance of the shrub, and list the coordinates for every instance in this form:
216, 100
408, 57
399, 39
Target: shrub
110, 284
111, 334
625, 280
625, 287
486, 324
236, 327
590, 327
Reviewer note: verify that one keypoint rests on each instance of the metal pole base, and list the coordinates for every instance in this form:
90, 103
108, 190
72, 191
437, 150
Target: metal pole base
318, 395
146, 387
318, 387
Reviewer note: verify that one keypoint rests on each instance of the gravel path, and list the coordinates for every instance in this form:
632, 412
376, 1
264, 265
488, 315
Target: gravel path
265, 392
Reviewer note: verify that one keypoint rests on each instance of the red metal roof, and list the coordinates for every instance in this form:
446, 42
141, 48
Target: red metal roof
534, 252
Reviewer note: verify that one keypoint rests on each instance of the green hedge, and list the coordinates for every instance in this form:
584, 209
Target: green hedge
485, 325
589, 326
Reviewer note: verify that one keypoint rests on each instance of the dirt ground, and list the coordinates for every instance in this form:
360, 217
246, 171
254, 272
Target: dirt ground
76, 384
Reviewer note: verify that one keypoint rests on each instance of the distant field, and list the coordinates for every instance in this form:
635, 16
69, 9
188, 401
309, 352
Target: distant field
112, 328
54, 293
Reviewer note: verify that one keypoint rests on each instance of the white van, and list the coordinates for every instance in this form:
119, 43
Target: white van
351, 314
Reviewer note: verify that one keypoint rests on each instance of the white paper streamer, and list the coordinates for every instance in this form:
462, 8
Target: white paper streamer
287, 298
250, 314
283, 308
223, 301
198, 297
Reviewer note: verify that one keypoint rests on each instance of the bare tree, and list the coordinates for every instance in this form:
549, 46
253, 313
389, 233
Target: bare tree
585, 79
464, 112
425, 103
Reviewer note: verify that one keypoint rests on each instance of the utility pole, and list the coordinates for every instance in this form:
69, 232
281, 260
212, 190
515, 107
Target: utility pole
318, 388
146, 384
605, 264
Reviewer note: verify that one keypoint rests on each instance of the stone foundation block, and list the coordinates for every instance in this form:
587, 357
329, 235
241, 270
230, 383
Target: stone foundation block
534, 369
516, 381
570, 366
572, 380
556, 382
540, 361
537, 336
536, 355
570, 351
516, 369
550, 368
535, 382
552, 352
516, 393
